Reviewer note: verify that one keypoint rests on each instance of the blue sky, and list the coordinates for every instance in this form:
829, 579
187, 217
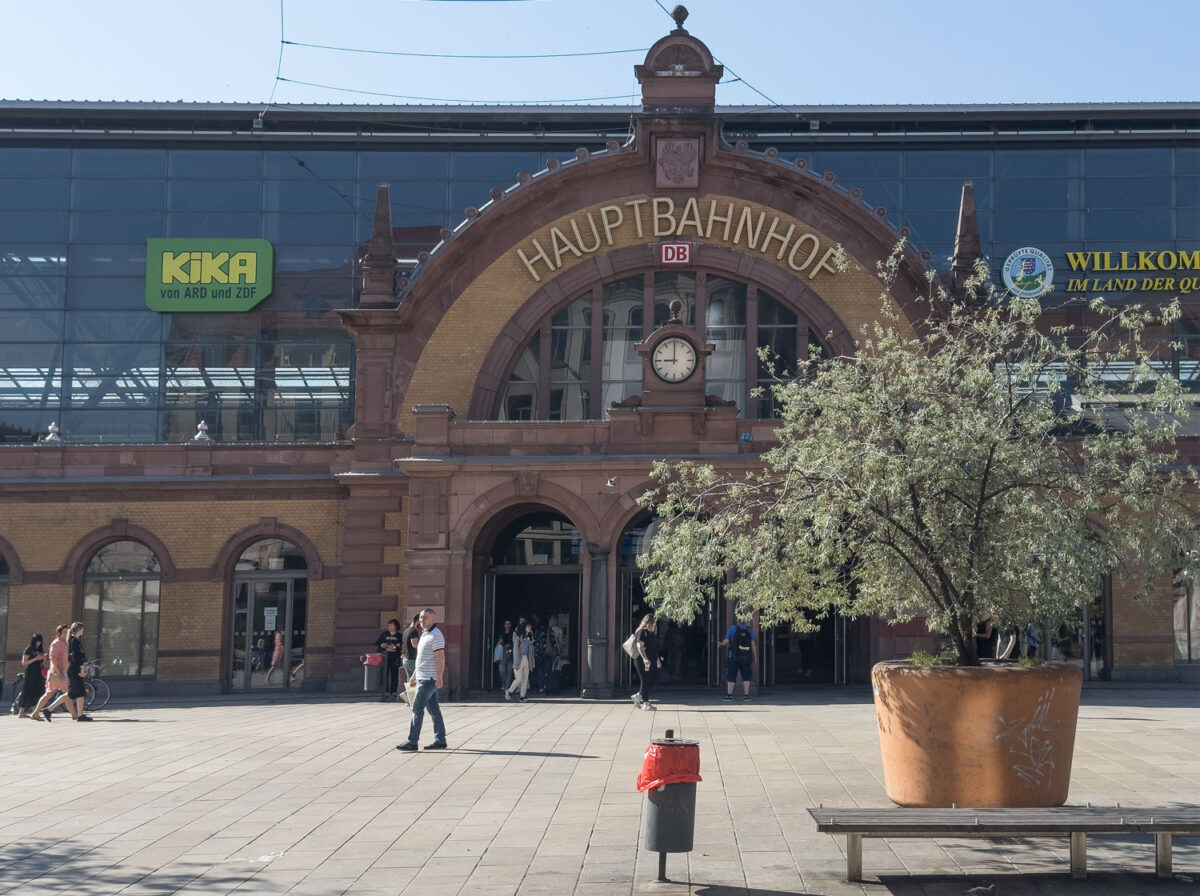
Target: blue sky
799, 52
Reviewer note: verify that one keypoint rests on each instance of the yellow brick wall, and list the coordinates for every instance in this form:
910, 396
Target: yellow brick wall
194, 532
1143, 630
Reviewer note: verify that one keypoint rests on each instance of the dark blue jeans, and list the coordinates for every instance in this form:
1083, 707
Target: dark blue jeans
426, 698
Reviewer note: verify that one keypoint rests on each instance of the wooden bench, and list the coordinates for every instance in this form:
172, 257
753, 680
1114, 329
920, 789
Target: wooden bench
1073, 822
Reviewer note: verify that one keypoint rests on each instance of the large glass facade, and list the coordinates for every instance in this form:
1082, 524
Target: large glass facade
79, 348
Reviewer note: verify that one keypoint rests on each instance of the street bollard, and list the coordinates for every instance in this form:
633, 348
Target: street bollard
670, 770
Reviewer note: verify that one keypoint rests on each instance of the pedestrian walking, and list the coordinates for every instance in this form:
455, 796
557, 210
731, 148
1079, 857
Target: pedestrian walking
35, 681
428, 676
76, 692
56, 675
522, 662
504, 650
648, 661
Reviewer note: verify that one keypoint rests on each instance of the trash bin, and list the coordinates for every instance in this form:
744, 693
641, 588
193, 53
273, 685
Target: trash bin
372, 672
670, 770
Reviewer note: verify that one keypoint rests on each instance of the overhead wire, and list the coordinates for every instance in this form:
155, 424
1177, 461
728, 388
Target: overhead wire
284, 43
297, 43
433, 99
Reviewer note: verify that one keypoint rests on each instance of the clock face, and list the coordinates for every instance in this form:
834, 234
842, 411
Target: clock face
673, 359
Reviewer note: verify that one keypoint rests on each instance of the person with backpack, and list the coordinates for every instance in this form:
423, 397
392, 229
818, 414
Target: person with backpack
741, 657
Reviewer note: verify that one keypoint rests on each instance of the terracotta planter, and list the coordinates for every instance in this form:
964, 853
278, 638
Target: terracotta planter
993, 736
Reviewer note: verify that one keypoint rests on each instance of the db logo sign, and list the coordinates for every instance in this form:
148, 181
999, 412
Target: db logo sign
675, 253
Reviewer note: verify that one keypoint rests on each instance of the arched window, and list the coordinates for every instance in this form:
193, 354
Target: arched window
583, 358
120, 609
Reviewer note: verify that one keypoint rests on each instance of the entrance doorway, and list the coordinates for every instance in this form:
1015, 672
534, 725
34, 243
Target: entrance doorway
792, 657
690, 653
535, 571
270, 618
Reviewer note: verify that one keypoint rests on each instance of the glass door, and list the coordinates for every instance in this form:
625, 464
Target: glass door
269, 629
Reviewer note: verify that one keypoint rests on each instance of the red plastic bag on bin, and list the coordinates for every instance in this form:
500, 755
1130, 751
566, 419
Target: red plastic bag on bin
669, 764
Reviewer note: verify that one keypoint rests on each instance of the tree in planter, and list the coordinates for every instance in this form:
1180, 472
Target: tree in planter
976, 469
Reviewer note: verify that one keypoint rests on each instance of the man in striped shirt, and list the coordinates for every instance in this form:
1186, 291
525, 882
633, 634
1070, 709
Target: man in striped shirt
428, 676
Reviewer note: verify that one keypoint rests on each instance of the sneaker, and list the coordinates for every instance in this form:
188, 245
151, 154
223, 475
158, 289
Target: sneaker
523, 700
636, 697
728, 698
46, 715
84, 718
406, 747
508, 696
746, 699
436, 745
648, 706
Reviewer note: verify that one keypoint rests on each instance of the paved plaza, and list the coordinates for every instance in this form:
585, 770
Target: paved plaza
309, 796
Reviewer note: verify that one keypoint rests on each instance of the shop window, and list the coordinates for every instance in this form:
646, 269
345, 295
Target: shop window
121, 589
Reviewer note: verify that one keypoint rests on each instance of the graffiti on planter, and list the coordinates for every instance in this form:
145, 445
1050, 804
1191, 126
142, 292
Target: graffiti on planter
1029, 741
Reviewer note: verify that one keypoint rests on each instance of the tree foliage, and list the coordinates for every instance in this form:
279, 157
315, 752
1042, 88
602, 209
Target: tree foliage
981, 468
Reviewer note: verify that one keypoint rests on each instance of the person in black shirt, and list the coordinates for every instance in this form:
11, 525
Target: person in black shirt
412, 635
75, 660
390, 644
648, 661
35, 684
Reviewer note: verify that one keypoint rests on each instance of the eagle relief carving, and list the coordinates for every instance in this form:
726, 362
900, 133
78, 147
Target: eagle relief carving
678, 163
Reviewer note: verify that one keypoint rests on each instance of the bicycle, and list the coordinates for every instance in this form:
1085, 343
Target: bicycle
18, 688
96, 690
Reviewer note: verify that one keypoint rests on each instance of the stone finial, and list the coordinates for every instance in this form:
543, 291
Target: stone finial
52, 433
201, 433
378, 264
679, 14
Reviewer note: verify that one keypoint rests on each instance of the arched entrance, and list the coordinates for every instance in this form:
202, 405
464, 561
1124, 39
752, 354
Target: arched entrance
535, 569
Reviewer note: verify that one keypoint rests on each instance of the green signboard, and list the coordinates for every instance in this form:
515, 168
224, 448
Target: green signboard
208, 275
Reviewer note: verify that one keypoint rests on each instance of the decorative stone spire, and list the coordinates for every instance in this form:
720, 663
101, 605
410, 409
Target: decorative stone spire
967, 247
679, 75
378, 264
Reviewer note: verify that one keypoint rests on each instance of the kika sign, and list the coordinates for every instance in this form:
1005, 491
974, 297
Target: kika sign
208, 275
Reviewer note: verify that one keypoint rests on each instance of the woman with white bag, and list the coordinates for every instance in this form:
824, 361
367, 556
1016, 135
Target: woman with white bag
522, 662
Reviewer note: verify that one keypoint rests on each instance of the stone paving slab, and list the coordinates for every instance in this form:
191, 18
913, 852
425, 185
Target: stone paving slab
310, 797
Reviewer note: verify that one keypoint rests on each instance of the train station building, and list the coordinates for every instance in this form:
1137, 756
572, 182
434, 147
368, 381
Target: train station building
292, 374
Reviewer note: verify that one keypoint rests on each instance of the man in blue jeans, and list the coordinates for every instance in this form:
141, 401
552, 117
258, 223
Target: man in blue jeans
428, 675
